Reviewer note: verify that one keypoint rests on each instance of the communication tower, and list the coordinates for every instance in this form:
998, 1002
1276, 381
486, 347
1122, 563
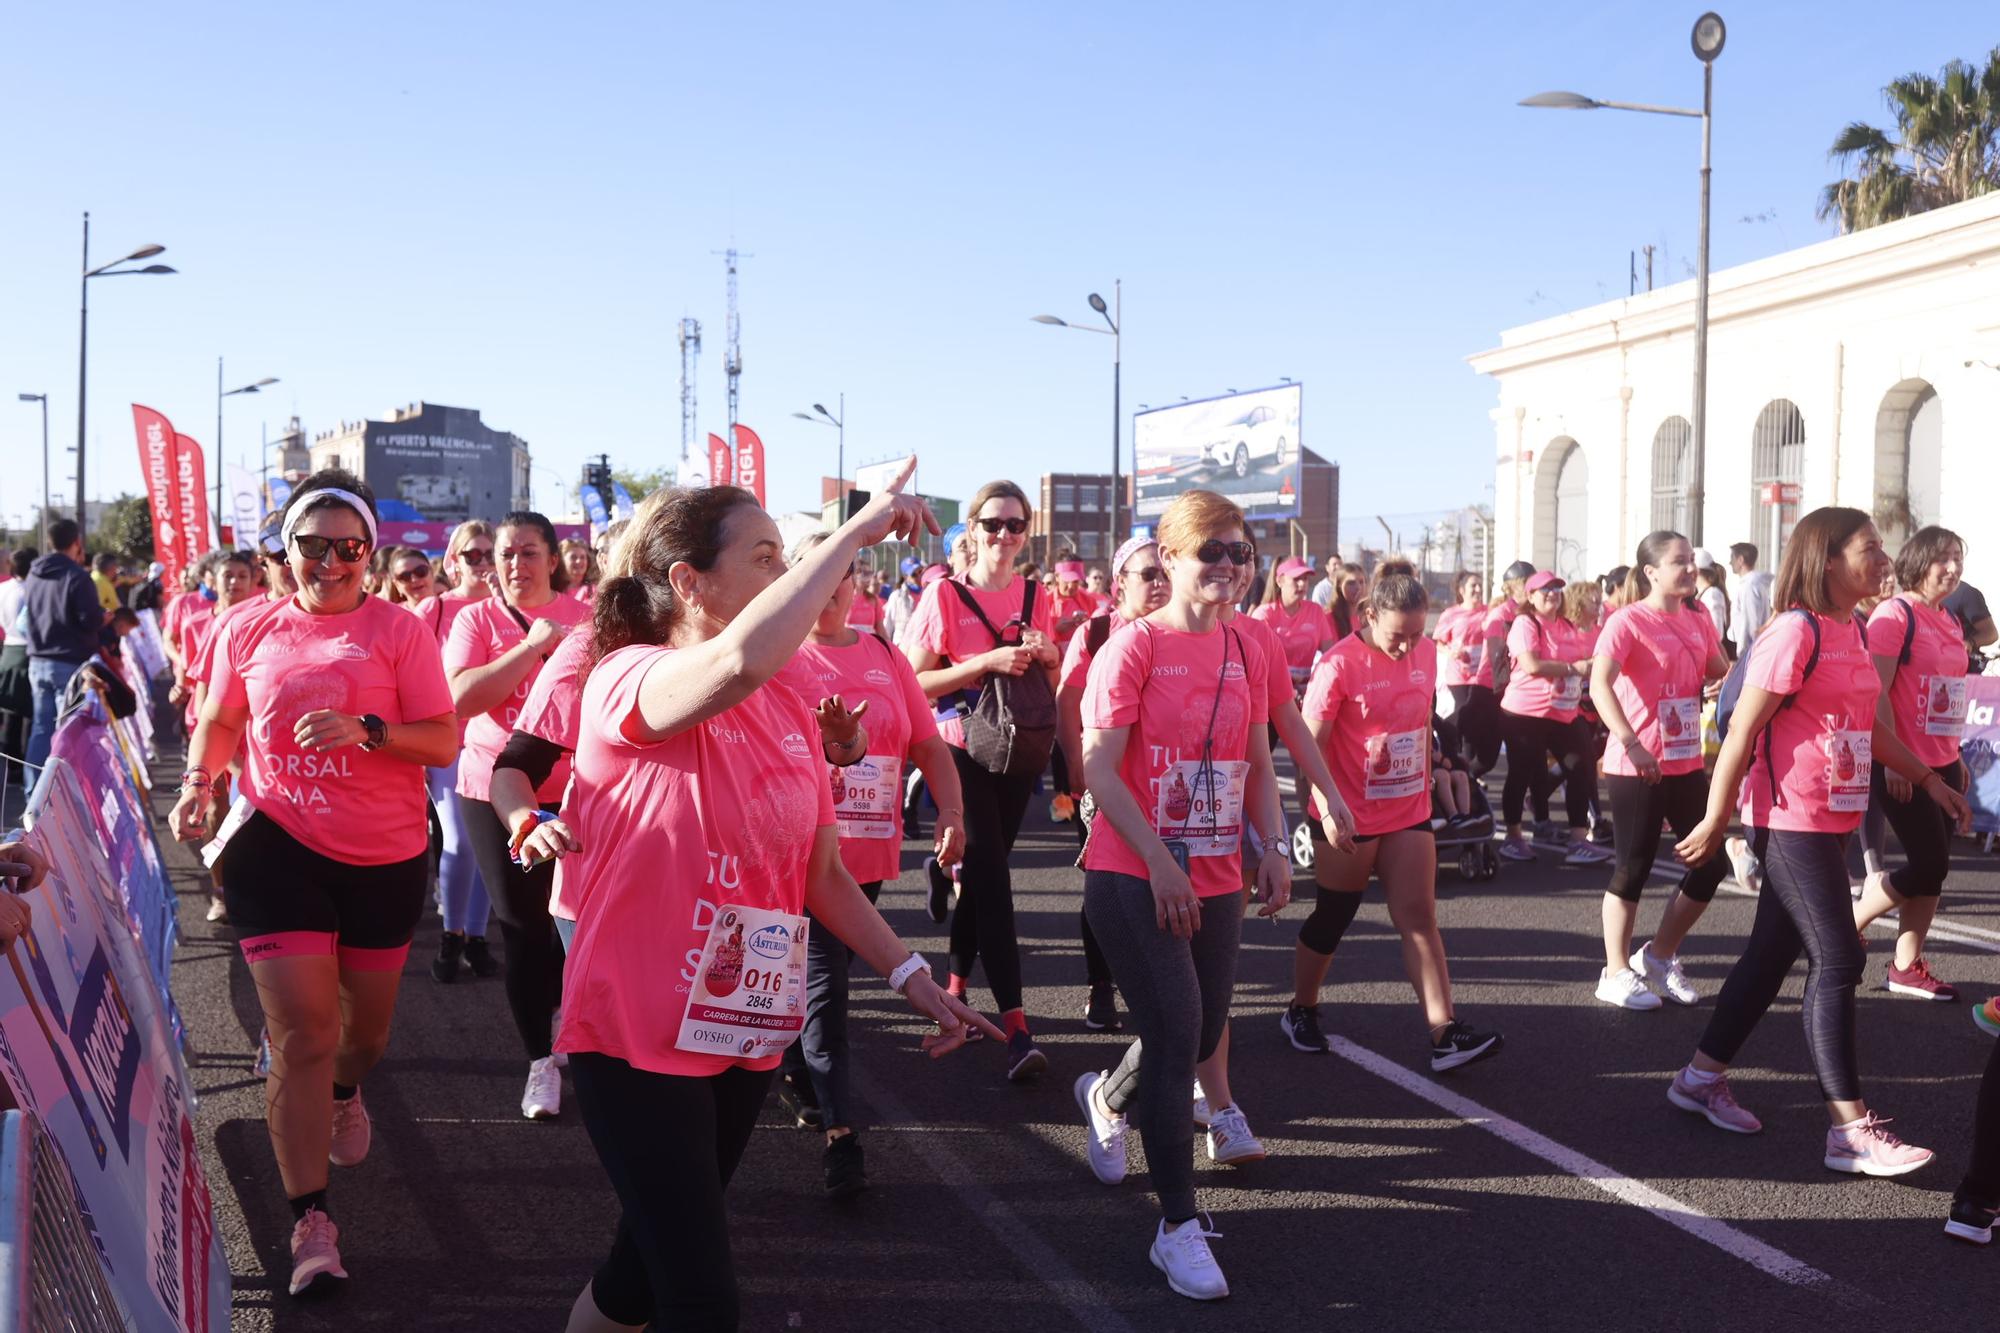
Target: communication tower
732, 356
690, 356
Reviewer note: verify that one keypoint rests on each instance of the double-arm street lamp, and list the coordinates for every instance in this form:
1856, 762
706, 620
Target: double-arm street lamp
111, 270
43, 399
819, 416
241, 537
1112, 318
1707, 39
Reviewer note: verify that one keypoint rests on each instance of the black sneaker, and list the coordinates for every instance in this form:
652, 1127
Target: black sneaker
1603, 834
940, 896
1100, 1014
796, 1096
1970, 1220
444, 967
1300, 1023
1024, 1061
479, 957
1462, 1045
845, 1175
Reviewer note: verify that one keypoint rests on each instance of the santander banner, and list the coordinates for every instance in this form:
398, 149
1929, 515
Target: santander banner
171, 544
721, 472
191, 474
749, 461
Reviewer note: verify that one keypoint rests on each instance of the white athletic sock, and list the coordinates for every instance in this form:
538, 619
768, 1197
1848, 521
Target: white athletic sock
1701, 1078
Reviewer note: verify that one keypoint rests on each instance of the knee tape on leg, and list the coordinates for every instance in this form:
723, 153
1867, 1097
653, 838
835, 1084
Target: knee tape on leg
1332, 914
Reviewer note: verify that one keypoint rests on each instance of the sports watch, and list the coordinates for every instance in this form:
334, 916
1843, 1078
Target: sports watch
377, 729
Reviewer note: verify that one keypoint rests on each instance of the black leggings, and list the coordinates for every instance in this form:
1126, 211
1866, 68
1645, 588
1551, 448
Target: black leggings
670, 1144
1636, 811
1805, 905
982, 925
1924, 830
1530, 742
820, 1055
1476, 714
521, 904
1982, 1173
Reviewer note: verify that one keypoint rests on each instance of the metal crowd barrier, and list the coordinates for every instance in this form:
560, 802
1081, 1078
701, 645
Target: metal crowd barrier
51, 1280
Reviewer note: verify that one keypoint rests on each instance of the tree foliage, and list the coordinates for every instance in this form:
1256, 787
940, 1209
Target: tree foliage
641, 484
1945, 148
125, 529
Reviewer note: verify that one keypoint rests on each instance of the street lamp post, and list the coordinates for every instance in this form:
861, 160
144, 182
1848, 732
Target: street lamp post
1707, 39
110, 270
820, 416
562, 487
43, 399
1113, 317
219, 396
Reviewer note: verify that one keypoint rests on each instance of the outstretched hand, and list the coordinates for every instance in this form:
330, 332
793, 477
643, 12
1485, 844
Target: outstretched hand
890, 513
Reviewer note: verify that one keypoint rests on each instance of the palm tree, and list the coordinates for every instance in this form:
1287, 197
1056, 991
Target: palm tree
1946, 148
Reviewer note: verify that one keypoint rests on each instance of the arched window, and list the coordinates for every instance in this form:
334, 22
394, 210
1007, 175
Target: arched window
1673, 474
1777, 470
1909, 463
1572, 544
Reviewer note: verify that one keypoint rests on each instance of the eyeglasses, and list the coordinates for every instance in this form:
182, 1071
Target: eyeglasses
1214, 549
413, 575
1150, 574
348, 550
1016, 526
472, 555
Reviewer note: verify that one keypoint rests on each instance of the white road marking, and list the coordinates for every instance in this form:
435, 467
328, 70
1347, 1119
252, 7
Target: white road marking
1737, 1244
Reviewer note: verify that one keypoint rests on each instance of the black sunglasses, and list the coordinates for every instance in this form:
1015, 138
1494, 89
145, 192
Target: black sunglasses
1214, 549
1150, 574
1017, 526
473, 556
349, 550
412, 575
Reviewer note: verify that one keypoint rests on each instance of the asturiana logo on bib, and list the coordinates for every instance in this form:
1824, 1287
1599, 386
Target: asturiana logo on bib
773, 941
1232, 671
876, 676
795, 746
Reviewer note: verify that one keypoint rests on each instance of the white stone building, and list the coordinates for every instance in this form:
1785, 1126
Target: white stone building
1857, 371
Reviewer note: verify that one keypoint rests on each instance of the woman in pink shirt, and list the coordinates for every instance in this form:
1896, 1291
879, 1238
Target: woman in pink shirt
1350, 592
580, 563
1920, 657
951, 642
1177, 758
1466, 671
1802, 741
1369, 707
340, 702
1550, 664
1303, 629
464, 576
707, 831
845, 665
496, 647
1653, 661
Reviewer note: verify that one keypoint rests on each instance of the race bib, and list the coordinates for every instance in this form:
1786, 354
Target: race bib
1396, 765
1680, 728
1848, 754
748, 996
239, 814
1569, 692
868, 798
1203, 808
1944, 700
1475, 653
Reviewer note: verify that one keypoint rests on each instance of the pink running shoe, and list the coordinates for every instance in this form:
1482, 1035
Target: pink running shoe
1714, 1102
1916, 980
1987, 1016
315, 1251
1866, 1149
352, 1132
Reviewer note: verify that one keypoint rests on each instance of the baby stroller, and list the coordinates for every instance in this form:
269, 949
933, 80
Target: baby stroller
1469, 837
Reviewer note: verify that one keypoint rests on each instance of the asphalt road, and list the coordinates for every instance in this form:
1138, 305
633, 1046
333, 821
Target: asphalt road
1551, 1188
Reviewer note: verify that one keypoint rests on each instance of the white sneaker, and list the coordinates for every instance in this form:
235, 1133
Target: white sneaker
1587, 854
1105, 1142
216, 911
1667, 976
1184, 1256
1230, 1140
1202, 1113
543, 1098
1749, 870
1626, 989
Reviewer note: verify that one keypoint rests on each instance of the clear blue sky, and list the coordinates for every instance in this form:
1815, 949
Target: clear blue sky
509, 206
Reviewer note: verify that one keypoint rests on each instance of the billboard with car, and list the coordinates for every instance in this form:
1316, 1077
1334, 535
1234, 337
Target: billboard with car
1242, 445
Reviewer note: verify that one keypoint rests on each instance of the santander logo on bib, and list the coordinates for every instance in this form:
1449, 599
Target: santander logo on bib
795, 746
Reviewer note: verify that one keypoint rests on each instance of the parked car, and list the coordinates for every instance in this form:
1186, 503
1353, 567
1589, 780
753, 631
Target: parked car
1255, 437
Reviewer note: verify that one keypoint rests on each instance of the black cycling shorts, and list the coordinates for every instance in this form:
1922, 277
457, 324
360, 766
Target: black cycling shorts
285, 899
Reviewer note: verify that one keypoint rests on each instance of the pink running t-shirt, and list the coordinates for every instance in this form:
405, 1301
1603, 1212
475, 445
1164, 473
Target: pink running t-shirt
438, 612
1077, 656
1461, 639
1550, 639
945, 625
1928, 695
1063, 606
865, 613
550, 714
1662, 660
359, 806
722, 813
1162, 684
1277, 670
1301, 631
868, 796
1819, 744
482, 632
1379, 746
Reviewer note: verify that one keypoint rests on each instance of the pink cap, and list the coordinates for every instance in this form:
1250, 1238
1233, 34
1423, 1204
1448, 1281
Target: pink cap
1069, 569
1543, 580
1293, 565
